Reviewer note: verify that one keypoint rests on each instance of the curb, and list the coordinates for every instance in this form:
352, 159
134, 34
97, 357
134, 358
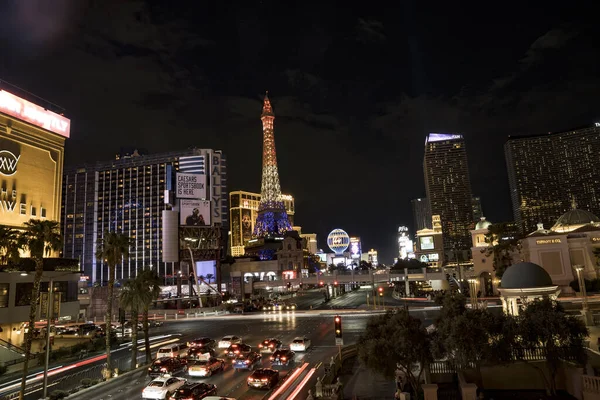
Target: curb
103, 383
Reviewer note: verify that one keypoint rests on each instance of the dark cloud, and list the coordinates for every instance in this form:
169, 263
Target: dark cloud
354, 94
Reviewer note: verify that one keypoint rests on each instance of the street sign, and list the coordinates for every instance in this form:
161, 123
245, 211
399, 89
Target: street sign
339, 341
44, 305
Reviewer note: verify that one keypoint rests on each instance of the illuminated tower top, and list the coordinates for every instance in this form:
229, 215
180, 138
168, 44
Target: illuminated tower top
272, 220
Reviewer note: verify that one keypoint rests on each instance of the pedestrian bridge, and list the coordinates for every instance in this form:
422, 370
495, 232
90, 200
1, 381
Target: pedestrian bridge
360, 277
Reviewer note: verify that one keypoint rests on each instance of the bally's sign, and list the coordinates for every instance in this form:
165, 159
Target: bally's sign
8, 163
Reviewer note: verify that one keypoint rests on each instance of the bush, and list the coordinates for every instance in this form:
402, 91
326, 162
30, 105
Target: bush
86, 382
58, 394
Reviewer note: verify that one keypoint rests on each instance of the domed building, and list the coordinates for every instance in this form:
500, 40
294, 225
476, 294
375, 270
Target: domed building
568, 245
524, 282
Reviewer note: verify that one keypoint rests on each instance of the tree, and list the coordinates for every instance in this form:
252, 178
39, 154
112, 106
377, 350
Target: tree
150, 282
396, 341
544, 324
9, 246
209, 277
503, 244
132, 298
113, 249
41, 238
469, 338
365, 266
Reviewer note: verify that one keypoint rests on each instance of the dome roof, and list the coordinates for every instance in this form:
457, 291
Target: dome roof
482, 224
574, 219
525, 275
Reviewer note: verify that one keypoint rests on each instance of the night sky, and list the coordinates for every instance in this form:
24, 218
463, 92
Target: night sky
355, 89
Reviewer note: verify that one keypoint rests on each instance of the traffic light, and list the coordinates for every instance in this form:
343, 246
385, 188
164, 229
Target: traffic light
300, 284
321, 283
337, 321
121, 316
380, 291
289, 285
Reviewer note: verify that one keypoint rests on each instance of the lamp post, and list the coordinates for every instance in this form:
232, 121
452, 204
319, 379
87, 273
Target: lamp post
48, 322
587, 316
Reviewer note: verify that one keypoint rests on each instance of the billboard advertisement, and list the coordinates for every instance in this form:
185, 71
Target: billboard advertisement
355, 249
194, 212
426, 242
190, 186
207, 269
246, 225
236, 222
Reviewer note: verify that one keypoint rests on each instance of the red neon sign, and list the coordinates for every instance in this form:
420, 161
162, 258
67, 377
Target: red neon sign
34, 114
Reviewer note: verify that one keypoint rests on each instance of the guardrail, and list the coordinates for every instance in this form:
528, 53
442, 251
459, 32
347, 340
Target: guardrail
325, 388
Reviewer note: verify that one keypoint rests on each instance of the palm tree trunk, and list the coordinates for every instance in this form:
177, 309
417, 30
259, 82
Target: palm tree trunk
134, 335
35, 294
109, 307
146, 336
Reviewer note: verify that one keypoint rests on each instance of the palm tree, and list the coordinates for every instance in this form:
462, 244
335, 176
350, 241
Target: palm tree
113, 250
9, 246
41, 238
132, 297
503, 244
210, 277
150, 283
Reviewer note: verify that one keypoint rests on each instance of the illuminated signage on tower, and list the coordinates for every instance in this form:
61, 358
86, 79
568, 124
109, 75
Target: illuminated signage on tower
438, 137
34, 114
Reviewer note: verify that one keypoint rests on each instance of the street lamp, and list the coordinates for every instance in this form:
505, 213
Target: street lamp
472, 293
587, 317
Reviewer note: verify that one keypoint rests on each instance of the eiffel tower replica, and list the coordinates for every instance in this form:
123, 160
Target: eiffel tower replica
272, 221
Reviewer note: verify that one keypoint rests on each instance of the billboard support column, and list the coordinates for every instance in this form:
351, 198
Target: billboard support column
195, 276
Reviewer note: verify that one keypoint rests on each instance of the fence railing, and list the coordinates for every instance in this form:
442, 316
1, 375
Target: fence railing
591, 384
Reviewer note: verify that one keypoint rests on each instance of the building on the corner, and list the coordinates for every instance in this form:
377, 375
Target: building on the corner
477, 209
548, 172
429, 244
128, 195
32, 140
421, 213
243, 209
448, 188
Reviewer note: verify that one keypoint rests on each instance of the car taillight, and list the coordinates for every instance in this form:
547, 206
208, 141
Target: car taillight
149, 368
247, 361
283, 358
237, 352
264, 380
271, 345
272, 358
163, 370
250, 379
260, 345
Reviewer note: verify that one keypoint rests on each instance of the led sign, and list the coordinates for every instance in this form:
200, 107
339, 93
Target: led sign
34, 114
547, 241
597, 124
438, 137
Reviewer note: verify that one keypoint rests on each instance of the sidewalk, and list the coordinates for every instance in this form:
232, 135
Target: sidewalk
363, 384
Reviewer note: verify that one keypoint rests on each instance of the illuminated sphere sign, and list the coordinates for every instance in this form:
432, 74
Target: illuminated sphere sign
338, 241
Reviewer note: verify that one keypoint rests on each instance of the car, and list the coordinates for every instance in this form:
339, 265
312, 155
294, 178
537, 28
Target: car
200, 353
236, 349
268, 307
194, 391
170, 350
291, 306
269, 345
161, 388
201, 342
155, 323
205, 368
263, 378
278, 307
171, 366
282, 357
247, 361
228, 340
300, 344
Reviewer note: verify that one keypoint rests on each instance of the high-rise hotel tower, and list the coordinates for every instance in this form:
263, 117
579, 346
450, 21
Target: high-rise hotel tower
448, 188
551, 173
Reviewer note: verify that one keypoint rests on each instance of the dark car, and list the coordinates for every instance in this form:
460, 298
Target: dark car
194, 391
167, 365
269, 345
247, 361
263, 378
154, 323
236, 349
202, 342
282, 357
200, 353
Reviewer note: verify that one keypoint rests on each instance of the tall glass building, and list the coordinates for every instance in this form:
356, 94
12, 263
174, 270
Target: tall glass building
448, 188
128, 195
551, 173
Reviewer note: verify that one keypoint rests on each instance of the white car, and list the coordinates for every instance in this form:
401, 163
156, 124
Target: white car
300, 344
161, 388
228, 341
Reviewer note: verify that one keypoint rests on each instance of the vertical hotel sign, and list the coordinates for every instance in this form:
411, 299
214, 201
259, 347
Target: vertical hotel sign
34, 114
217, 187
